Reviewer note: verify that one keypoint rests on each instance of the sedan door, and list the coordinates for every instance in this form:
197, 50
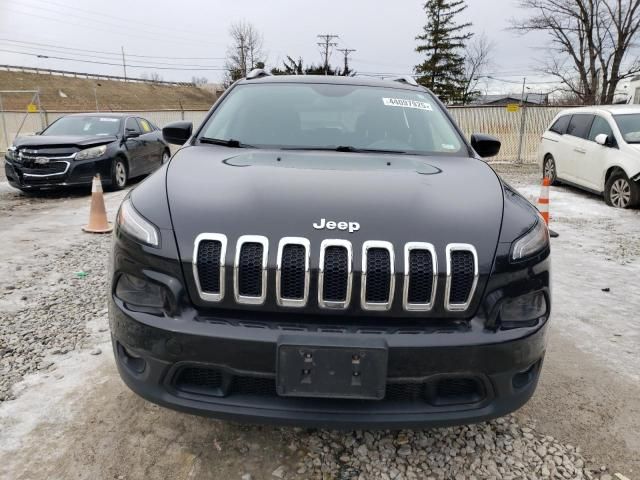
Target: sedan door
576, 145
135, 146
153, 147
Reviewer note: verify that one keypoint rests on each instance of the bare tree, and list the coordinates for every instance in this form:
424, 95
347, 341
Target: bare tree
592, 40
245, 52
199, 81
155, 77
477, 58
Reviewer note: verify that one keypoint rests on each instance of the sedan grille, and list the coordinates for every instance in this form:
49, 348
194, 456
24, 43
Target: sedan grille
335, 273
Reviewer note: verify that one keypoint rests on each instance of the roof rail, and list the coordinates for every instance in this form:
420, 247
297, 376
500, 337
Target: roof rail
405, 79
257, 73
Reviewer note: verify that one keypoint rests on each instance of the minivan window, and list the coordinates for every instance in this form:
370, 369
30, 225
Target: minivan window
580, 125
600, 126
629, 126
327, 116
560, 125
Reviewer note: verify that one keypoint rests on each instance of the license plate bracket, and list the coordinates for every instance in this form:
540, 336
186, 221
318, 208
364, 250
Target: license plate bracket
331, 368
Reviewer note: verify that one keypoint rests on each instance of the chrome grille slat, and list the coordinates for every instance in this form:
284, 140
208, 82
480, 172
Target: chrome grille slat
291, 273
251, 241
410, 249
456, 305
210, 296
375, 281
324, 276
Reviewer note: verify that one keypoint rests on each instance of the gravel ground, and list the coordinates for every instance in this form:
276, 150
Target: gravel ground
52, 309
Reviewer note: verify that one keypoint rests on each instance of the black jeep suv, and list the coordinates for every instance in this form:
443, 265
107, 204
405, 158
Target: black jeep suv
330, 251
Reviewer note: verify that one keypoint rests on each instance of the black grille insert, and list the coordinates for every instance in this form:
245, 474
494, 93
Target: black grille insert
292, 272
378, 275
209, 265
462, 276
420, 277
250, 269
336, 274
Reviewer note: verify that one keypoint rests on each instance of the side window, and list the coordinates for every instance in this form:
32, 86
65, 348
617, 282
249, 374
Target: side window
144, 125
560, 125
580, 125
132, 125
600, 125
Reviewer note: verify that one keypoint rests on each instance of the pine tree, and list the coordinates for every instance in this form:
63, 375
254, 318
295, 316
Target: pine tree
442, 42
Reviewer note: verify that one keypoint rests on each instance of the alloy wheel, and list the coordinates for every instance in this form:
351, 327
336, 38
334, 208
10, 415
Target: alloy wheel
121, 174
550, 170
165, 158
620, 193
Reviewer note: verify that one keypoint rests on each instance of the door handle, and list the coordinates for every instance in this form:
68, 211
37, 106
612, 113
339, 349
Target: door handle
580, 150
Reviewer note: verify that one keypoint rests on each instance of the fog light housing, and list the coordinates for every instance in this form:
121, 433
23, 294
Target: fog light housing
523, 311
132, 361
135, 291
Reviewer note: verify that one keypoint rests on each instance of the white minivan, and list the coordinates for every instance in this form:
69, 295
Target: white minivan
596, 149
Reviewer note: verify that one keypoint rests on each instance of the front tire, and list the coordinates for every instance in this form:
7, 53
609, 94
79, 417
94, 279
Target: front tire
166, 156
119, 174
620, 192
549, 170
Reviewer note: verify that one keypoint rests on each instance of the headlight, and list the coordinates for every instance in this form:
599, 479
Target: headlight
89, 153
11, 153
135, 225
532, 242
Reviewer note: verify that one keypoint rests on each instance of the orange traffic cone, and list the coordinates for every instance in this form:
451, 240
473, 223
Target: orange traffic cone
98, 214
543, 204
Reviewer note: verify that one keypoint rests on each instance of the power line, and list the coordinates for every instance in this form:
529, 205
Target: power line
112, 64
327, 44
114, 54
346, 52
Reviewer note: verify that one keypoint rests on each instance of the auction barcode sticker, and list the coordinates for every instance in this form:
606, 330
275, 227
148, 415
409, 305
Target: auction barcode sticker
401, 102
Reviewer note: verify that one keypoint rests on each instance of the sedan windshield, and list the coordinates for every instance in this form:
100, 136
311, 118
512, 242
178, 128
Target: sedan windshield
89, 125
629, 126
348, 118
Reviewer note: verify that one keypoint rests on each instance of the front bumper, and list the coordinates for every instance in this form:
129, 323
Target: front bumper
70, 173
152, 352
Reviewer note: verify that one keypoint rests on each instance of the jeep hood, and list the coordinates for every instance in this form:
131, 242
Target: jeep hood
405, 198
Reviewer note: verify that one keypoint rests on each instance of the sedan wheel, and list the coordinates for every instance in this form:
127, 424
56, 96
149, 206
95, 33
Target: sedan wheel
165, 157
119, 179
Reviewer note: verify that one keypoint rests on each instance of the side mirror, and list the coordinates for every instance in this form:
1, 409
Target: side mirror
485, 145
131, 133
603, 139
177, 133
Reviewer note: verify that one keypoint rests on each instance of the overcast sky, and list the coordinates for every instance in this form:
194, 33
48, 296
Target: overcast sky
383, 33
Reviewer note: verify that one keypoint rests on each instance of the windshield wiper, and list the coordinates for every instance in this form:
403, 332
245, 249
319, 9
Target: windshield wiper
348, 148
225, 143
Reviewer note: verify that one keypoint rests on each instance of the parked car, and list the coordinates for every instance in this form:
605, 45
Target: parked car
596, 149
330, 251
76, 147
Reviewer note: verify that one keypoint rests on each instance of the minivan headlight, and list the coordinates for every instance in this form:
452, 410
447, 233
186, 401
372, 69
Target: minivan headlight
135, 225
89, 153
532, 242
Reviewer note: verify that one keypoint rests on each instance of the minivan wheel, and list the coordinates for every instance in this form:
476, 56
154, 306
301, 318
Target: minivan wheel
119, 174
620, 192
549, 170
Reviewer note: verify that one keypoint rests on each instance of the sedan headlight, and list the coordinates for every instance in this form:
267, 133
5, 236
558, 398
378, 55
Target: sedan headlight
135, 225
11, 153
89, 153
532, 242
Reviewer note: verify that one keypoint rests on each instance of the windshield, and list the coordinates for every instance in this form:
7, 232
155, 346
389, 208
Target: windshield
327, 116
629, 126
84, 126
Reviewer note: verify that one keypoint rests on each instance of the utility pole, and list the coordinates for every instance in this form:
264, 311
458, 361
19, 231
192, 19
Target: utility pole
346, 52
124, 64
326, 44
522, 121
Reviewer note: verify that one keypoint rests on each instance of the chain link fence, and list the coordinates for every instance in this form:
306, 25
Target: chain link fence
497, 121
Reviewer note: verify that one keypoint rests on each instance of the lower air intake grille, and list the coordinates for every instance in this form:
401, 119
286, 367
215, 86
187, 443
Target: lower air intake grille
209, 265
336, 274
462, 276
292, 276
378, 275
250, 269
420, 276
